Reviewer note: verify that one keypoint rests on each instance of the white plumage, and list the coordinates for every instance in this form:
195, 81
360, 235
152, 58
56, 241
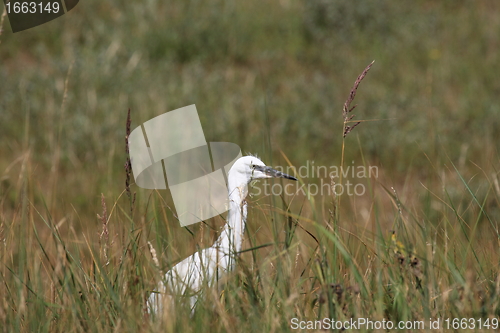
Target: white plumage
208, 265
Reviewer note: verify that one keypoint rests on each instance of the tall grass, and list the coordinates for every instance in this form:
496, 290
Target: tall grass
421, 243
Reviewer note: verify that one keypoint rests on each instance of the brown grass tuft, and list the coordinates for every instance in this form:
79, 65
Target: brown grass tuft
347, 105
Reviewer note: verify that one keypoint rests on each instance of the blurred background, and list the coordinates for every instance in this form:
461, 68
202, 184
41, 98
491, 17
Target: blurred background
270, 76
267, 75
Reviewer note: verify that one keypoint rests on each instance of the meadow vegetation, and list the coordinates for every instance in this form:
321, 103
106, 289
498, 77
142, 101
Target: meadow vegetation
272, 76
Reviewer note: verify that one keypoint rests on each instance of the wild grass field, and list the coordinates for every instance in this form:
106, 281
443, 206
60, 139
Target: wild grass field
420, 243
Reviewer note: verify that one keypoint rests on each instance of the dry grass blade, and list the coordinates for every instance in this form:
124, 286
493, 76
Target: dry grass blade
347, 105
153, 255
128, 165
104, 236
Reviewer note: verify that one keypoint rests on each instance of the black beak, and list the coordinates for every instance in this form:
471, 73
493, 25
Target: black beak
273, 173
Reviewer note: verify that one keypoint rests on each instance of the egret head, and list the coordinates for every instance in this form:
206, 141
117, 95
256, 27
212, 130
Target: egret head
248, 168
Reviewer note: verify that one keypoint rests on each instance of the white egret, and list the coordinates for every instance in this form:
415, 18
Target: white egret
208, 265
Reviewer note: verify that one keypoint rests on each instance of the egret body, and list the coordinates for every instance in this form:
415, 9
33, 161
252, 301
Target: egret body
208, 265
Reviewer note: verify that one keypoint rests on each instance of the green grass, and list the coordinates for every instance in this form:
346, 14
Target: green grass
272, 77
